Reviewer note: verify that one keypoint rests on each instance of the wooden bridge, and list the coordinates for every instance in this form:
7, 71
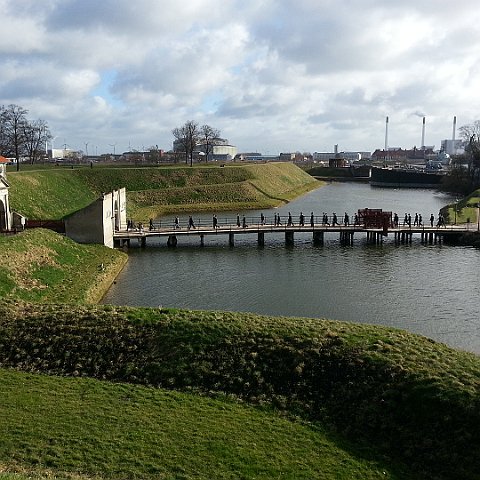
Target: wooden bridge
375, 235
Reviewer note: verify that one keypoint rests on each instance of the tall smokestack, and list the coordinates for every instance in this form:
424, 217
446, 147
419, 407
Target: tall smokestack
386, 134
423, 134
454, 128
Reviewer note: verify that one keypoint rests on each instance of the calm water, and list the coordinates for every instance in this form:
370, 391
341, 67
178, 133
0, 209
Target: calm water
431, 290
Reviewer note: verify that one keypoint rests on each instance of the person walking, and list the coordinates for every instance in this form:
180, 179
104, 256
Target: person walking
238, 220
289, 222
176, 223
432, 219
215, 221
191, 223
312, 220
302, 219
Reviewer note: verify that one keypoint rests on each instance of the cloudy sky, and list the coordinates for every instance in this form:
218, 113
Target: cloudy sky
272, 76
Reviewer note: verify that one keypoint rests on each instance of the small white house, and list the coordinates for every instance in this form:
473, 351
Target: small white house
5, 215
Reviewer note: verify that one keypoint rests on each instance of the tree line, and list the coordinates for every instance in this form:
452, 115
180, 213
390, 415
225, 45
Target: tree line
191, 135
20, 136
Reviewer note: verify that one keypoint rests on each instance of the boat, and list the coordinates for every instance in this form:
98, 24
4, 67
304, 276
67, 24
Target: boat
405, 177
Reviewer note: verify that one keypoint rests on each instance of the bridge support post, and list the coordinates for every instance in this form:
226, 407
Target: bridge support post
231, 239
202, 239
289, 238
430, 238
172, 241
143, 242
261, 239
317, 238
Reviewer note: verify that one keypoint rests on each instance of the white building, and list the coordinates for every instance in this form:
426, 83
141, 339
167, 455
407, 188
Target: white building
5, 216
453, 147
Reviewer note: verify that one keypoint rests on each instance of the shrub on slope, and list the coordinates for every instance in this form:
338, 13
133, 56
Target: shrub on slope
416, 400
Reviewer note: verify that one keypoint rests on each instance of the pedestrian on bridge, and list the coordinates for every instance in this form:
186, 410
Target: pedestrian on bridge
215, 221
176, 223
346, 219
405, 220
415, 222
420, 220
191, 223
432, 219
409, 221
312, 220
302, 219
262, 218
244, 222
289, 221
395, 220
150, 224
334, 219
238, 220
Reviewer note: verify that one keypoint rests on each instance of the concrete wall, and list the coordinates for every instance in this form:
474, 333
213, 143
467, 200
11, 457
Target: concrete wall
98, 222
5, 215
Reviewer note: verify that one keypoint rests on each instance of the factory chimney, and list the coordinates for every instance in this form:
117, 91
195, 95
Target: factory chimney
423, 134
454, 128
386, 134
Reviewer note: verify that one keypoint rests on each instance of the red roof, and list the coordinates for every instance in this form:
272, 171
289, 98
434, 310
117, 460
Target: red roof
4, 160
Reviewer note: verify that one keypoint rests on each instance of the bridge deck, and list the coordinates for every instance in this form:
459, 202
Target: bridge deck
143, 234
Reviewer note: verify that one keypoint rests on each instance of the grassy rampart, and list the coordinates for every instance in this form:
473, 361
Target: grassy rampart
42, 266
412, 399
55, 193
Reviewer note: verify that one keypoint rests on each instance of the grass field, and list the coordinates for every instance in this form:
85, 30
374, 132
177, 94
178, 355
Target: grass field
405, 398
97, 429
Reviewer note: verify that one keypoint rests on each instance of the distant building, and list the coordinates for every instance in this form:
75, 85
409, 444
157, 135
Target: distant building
453, 147
219, 149
399, 155
287, 157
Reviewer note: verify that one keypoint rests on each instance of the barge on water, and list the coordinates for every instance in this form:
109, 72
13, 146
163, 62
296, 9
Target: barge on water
405, 177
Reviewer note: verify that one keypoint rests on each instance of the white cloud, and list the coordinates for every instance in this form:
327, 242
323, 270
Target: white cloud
272, 76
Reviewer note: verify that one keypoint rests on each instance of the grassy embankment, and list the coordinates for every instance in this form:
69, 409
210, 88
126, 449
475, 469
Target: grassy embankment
467, 209
41, 266
392, 395
56, 192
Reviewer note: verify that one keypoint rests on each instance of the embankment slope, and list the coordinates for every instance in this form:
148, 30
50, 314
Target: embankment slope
41, 266
415, 401
56, 193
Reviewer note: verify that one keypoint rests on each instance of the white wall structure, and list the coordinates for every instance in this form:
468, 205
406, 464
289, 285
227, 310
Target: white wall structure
5, 214
98, 222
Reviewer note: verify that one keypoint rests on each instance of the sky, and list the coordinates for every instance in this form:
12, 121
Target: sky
272, 76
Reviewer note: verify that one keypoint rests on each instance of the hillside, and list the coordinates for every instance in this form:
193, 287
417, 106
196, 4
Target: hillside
55, 193
407, 397
42, 266
55, 427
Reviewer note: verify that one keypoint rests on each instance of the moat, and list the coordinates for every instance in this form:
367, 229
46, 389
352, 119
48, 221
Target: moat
426, 289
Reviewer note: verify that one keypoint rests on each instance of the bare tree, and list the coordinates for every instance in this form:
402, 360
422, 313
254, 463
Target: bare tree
209, 137
13, 120
471, 135
37, 134
186, 139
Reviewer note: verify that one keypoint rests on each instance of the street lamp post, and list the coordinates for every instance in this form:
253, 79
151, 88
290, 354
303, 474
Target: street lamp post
456, 202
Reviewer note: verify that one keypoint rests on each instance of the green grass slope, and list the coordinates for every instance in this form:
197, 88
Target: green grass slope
413, 400
91, 429
41, 266
55, 193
